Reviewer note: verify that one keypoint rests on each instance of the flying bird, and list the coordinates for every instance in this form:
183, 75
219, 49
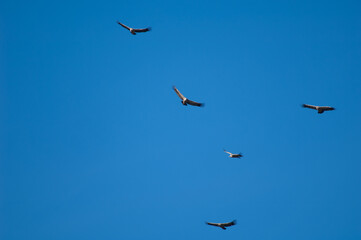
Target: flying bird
232, 155
185, 100
320, 109
134, 31
222, 225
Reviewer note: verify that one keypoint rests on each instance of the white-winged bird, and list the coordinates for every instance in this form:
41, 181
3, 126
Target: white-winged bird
232, 155
222, 225
134, 31
186, 101
320, 109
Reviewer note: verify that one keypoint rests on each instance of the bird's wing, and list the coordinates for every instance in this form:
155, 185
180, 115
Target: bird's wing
213, 224
227, 152
195, 103
178, 93
327, 108
308, 106
229, 223
124, 26
142, 29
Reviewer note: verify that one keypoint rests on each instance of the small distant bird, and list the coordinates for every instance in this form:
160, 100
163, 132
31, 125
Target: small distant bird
134, 31
185, 100
231, 155
320, 109
223, 225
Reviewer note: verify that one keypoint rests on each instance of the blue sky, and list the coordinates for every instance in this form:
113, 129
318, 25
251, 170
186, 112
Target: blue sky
94, 143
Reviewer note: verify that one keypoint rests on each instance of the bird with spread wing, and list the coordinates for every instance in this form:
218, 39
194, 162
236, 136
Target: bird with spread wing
134, 31
222, 225
232, 155
320, 109
186, 101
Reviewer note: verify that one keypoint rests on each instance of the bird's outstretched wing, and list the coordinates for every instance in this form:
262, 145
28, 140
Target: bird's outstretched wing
309, 106
195, 103
124, 26
213, 224
229, 223
178, 93
327, 108
142, 29
227, 152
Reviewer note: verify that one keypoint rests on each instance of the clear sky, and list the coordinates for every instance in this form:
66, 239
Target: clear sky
94, 143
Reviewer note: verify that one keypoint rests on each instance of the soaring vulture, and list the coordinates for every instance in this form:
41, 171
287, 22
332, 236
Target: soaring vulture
320, 109
222, 225
185, 100
134, 30
232, 155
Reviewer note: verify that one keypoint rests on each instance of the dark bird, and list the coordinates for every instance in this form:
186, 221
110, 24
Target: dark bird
222, 225
320, 109
134, 31
185, 100
232, 155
